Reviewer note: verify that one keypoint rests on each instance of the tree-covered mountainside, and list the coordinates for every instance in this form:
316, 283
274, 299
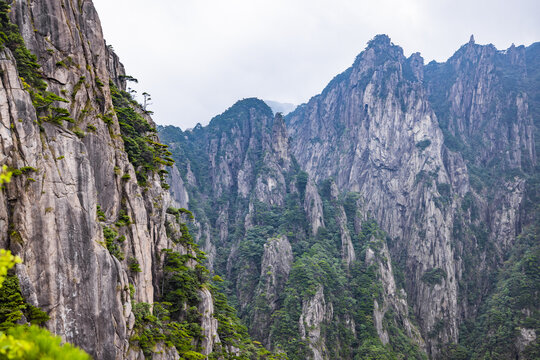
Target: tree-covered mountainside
276, 252
392, 216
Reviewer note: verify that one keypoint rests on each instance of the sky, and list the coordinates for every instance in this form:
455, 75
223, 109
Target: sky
198, 57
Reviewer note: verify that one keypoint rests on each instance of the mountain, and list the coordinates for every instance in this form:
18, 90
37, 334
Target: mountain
266, 229
107, 263
393, 216
387, 216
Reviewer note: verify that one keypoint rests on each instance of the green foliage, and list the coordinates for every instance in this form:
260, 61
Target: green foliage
123, 219
185, 238
422, 145
13, 306
100, 214
22, 341
176, 320
77, 87
29, 70
134, 266
179, 212
99, 83
146, 155
34, 343
351, 292
112, 243
28, 169
317, 258
79, 133
513, 305
434, 276
153, 325
7, 261
182, 282
230, 328
11, 38
373, 350
444, 190
5, 177
301, 183
252, 245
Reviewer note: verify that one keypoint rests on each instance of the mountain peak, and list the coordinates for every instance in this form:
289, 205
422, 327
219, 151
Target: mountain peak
242, 110
250, 103
380, 41
379, 50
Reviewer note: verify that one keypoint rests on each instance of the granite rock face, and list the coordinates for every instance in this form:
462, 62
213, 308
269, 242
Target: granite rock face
315, 312
401, 186
263, 214
373, 130
49, 212
276, 265
436, 155
421, 145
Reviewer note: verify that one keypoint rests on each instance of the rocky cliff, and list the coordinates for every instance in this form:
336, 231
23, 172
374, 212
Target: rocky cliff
395, 215
420, 144
402, 187
271, 227
87, 209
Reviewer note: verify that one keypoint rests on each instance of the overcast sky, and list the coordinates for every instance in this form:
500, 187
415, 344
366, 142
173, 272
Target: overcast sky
197, 57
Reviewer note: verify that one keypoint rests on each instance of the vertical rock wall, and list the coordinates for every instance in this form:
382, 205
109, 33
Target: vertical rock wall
48, 214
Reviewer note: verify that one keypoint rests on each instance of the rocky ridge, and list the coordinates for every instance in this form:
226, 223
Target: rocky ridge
396, 192
442, 157
93, 225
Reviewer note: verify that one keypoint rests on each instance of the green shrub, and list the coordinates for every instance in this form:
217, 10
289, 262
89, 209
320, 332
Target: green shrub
100, 214
28, 169
13, 306
422, 145
434, 276
146, 155
134, 265
123, 218
22, 341
80, 134
35, 343
111, 243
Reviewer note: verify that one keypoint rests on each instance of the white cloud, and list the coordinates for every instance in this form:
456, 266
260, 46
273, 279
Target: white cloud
197, 57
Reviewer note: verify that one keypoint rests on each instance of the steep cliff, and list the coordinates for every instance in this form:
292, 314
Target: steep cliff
290, 264
87, 209
50, 212
373, 130
440, 154
395, 215
406, 187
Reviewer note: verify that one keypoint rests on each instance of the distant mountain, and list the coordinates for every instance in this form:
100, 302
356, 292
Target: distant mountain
283, 108
371, 222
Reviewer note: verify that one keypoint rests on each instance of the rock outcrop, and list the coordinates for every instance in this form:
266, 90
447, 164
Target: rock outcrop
436, 155
373, 130
276, 265
401, 185
315, 312
75, 185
